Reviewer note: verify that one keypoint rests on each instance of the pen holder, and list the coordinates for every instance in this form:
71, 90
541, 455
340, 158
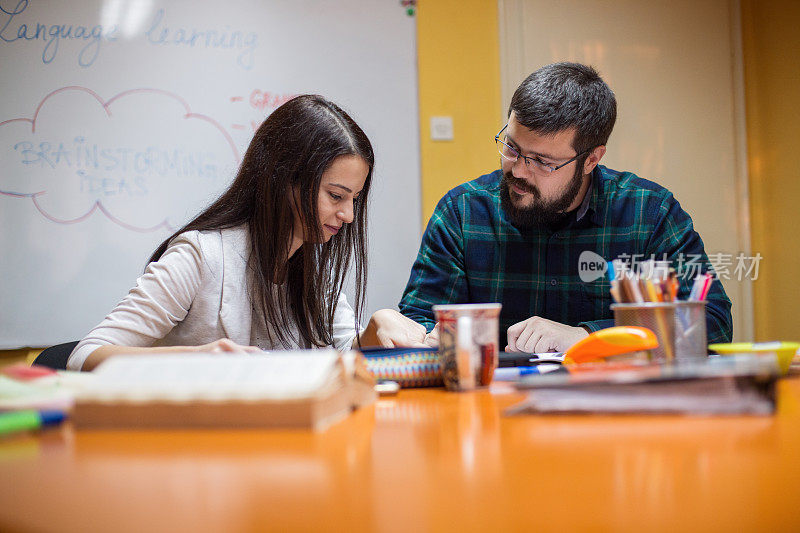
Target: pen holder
658, 317
690, 331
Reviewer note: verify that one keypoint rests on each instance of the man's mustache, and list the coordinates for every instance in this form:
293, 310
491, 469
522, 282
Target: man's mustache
520, 184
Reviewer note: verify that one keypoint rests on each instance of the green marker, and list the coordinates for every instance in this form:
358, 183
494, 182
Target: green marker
17, 421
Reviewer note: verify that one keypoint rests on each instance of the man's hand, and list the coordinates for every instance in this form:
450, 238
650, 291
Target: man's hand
390, 329
539, 335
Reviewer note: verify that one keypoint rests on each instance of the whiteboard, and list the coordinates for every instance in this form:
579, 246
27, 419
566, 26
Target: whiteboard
121, 119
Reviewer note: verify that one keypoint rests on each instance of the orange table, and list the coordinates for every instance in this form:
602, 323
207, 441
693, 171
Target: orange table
425, 460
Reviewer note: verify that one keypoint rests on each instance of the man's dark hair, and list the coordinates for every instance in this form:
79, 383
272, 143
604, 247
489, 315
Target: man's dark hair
566, 95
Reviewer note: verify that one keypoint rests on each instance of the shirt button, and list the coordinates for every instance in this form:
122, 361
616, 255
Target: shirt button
553, 282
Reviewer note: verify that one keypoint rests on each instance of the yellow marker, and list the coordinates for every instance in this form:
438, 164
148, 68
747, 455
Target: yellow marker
611, 342
651, 291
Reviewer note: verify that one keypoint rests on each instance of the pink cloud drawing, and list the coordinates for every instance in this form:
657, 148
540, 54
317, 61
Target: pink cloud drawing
163, 148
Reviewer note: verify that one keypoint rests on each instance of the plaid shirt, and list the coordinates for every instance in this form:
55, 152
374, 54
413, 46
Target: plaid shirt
471, 253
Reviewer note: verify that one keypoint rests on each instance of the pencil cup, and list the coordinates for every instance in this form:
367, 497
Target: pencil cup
690, 331
468, 344
658, 317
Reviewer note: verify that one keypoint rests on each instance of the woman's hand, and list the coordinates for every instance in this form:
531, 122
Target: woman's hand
225, 345
432, 338
221, 346
390, 329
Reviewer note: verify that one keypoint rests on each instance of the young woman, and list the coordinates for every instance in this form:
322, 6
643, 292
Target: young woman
263, 267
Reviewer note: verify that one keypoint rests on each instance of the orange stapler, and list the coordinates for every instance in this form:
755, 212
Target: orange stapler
618, 344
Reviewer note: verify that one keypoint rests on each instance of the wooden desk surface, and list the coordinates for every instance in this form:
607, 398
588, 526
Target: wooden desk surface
425, 460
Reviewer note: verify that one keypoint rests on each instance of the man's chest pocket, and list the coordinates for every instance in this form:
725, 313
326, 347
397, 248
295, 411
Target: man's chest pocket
595, 301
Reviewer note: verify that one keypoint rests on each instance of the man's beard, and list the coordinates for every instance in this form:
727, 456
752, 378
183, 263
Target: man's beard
540, 213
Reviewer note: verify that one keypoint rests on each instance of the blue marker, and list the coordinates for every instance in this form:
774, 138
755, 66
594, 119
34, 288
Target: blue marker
514, 373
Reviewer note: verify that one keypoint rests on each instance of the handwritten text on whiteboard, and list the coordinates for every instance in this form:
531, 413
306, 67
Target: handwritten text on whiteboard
18, 28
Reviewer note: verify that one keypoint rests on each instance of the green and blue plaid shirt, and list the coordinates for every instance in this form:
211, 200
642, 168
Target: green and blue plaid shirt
471, 253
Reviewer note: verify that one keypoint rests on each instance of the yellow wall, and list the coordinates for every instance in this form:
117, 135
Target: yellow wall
772, 94
459, 76
23, 355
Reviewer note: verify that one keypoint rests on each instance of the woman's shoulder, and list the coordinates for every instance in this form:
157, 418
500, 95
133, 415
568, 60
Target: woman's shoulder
211, 251
214, 240
235, 236
217, 252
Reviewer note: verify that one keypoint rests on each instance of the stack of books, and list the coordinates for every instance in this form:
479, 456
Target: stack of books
715, 386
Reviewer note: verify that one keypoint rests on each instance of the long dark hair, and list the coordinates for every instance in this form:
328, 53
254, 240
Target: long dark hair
289, 152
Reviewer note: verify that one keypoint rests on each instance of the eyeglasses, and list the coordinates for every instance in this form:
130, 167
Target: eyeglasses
534, 164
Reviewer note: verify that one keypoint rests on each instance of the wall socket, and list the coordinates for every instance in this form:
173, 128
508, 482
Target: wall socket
441, 128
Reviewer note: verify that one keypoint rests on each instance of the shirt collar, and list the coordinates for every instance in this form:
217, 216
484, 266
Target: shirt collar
591, 201
584, 207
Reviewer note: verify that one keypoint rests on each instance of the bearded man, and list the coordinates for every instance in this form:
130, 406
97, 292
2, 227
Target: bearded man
521, 235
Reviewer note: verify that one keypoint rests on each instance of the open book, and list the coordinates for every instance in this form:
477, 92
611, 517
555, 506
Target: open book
301, 389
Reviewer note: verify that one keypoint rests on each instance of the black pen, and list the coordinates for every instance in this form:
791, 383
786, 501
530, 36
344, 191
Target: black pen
507, 359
